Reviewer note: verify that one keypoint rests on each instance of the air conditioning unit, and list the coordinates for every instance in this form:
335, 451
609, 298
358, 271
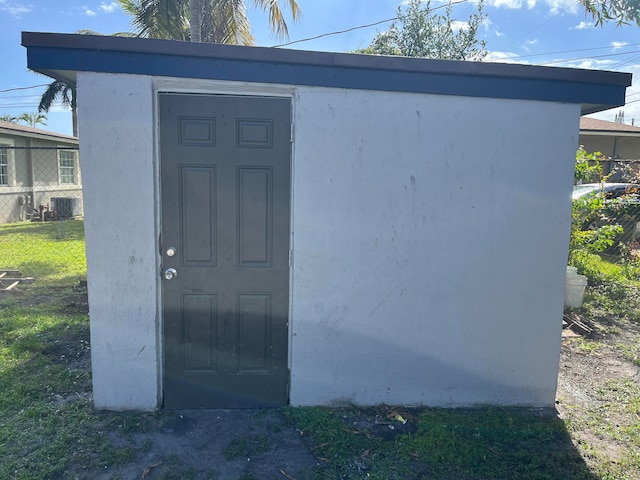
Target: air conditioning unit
64, 207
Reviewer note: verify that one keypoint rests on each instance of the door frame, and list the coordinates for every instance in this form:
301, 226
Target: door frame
211, 87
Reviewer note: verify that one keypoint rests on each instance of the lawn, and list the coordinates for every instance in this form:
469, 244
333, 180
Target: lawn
52, 252
49, 430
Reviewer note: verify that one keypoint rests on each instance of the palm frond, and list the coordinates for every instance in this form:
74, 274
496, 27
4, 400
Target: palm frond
55, 90
276, 16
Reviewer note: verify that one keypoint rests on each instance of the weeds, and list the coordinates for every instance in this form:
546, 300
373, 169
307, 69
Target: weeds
247, 447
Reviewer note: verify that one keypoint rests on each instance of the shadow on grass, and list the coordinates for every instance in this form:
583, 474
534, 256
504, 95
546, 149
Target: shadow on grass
441, 444
58, 230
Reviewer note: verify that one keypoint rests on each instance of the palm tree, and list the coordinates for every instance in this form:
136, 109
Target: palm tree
9, 118
33, 119
67, 95
195, 12
211, 21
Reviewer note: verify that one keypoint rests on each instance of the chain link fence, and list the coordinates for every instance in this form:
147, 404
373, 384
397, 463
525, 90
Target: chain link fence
41, 212
621, 192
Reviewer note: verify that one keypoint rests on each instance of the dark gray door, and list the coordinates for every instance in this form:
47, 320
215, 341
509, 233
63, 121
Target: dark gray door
225, 172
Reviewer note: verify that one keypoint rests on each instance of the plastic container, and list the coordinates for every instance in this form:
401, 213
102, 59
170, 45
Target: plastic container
574, 290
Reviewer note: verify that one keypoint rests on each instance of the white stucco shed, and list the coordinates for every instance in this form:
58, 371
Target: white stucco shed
269, 227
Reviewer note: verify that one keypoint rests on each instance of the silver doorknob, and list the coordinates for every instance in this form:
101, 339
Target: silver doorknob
170, 273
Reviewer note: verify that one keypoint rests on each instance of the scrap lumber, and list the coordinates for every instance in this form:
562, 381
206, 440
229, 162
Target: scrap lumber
574, 323
9, 279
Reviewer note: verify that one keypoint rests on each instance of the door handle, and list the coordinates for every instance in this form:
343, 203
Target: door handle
170, 273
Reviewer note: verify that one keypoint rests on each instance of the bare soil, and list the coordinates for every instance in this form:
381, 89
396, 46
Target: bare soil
215, 444
590, 364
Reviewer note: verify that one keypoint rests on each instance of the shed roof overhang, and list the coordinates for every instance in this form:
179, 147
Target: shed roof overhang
61, 56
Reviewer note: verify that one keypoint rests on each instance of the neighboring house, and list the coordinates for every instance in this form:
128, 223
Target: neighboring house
614, 140
39, 171
322, 228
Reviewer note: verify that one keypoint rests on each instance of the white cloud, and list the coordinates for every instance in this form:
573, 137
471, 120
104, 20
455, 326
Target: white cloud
14, 9
102, 8
588, 63
458, 25
559, 6
617, 45
506, 3
108, 7
502, 57
583, 26
555, 6
488, 24
528, 44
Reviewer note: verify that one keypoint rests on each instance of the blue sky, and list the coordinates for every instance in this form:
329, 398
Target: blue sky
542, 32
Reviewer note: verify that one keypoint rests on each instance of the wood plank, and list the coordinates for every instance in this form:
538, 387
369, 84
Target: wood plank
11, 287
13, 273
19, 279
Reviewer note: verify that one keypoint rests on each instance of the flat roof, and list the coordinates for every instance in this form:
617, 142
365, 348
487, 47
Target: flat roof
61, 56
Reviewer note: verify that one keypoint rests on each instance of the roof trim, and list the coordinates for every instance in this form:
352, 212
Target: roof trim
596, 126
63, 55
9, 128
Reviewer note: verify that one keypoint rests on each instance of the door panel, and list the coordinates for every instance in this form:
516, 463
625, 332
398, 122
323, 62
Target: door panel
225, 173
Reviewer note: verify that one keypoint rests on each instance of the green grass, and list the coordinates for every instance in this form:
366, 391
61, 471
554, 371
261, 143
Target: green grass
47, 424
53, 252
604, 269
613, 421
482, 443
247, 447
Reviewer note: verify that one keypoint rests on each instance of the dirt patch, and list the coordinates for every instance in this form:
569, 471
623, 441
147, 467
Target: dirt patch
591, 368
213, 444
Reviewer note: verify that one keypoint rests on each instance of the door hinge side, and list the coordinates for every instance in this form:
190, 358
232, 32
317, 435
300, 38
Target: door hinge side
290, 258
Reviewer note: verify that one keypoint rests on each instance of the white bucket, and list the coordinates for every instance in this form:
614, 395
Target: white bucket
574, 290
572, 270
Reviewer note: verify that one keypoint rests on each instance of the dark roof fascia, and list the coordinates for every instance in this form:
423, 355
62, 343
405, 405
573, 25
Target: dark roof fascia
62, 55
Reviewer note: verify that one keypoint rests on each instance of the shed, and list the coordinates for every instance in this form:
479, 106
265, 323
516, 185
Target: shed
268, 227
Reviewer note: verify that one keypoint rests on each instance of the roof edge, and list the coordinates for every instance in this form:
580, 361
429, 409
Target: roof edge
61, 56
317, 58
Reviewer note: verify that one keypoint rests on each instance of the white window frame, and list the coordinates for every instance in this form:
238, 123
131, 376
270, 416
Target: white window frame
62, 176
8, 177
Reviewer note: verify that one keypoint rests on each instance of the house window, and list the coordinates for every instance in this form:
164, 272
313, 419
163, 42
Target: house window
67, 160
4, 165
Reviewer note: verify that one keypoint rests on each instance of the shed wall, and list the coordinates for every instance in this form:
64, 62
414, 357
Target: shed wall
116, 121
430, 238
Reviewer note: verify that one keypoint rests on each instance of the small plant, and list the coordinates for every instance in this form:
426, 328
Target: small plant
247, 447
587, 232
